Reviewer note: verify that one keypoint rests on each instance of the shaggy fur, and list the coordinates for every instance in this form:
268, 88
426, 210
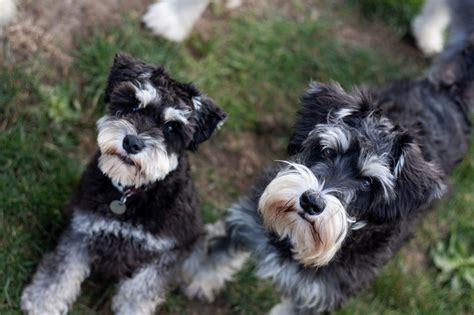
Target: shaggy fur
361, 172
150, 123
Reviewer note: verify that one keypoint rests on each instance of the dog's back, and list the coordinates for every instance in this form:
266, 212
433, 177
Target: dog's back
453, 69
438, 104
462, 24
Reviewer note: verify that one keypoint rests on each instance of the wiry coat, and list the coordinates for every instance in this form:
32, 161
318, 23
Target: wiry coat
420, 131
151, 122
165, 210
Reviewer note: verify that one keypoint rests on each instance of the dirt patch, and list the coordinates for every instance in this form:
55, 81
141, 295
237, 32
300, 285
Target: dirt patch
51, 28
229, 164
415, 256
354, 30
217, 17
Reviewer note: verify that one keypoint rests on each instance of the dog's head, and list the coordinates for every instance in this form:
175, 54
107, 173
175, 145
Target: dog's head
348, 166
151, 120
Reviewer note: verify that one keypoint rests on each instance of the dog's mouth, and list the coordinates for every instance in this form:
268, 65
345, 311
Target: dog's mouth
124, 159
305, 216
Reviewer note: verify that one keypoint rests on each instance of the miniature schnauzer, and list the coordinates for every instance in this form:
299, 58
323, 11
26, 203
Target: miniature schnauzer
362, 170
135, 216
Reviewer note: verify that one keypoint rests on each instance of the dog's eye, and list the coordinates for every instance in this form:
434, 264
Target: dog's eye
366, 184
329, 153
169, 128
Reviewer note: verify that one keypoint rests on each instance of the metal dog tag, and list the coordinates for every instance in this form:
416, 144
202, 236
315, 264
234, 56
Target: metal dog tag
118, 207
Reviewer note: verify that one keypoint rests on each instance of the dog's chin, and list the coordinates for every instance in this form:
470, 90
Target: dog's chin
315, 239
120, 169
130, 172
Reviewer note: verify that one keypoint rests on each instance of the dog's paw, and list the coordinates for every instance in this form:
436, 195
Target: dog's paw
214, 230
7, 12
204, 287
233, 4
429, 26
36, 302
173, 20
210, 280
429, 39
284, 308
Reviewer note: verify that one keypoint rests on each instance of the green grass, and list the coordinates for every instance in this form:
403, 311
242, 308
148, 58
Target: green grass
396, 13
255, 69
36, 179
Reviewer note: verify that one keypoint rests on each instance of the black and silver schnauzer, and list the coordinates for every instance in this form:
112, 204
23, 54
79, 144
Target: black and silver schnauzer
135, 216
362, 170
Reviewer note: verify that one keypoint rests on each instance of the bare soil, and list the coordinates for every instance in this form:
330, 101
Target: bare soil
50, 28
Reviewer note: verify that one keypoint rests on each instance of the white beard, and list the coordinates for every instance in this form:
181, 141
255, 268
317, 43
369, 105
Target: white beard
315, 238
151, 164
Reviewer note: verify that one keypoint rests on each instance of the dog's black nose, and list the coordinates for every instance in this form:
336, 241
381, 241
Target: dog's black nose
312, 203
132, 144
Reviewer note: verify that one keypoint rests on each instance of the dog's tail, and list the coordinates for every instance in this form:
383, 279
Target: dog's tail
454, 67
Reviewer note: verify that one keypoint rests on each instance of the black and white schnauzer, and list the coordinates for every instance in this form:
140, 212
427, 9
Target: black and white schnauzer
363, 168
135, 216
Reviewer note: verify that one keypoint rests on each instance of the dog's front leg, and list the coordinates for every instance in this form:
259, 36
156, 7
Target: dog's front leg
285, 307
58, 280
223, 258
146, 289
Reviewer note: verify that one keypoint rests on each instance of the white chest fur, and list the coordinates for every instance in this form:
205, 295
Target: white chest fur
94, 226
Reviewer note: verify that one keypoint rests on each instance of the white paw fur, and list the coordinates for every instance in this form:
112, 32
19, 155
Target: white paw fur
7, 11
429, 26
174, 19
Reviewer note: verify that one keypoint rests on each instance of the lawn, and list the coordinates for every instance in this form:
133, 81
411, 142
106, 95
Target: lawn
255, 67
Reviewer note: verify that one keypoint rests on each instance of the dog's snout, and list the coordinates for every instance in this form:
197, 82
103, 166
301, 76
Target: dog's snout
132, 144
312, 203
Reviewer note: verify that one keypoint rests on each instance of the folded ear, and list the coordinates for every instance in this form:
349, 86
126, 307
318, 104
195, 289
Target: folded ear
318, 103
209, 117
125, 69
418, 183
418, 179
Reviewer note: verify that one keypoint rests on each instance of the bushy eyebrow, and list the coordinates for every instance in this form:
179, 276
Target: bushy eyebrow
332, 136
376, 167
146, 94
174, 114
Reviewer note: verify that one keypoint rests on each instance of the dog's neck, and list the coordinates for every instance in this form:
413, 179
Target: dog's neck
129, 190
96, 190
132, 190
119, 206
